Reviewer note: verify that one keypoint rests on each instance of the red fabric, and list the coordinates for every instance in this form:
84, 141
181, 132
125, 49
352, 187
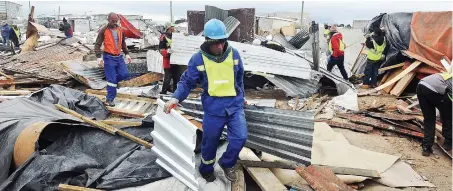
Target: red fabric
109, 41
128, 29
166, 58
431, 35
335, 40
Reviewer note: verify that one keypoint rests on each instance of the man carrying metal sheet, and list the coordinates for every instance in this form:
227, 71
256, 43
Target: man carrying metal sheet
115, 68
433, 92
218, 68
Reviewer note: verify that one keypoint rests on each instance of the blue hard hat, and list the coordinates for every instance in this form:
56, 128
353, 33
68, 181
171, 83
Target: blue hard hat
215, 29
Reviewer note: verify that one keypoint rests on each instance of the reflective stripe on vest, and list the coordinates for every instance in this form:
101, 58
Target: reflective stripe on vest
109, 41
376, 53
220, 76
341, 44
168, 41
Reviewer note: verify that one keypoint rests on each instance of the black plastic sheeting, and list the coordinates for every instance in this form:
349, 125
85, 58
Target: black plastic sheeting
397, 33
82, 103
71, 153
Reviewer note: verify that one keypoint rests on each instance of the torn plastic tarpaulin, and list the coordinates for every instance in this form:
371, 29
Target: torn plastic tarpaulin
82, 103
87, 157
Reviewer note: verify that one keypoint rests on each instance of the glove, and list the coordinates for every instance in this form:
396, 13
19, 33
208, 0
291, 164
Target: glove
172, 103
101, 62
169, 51
129, 59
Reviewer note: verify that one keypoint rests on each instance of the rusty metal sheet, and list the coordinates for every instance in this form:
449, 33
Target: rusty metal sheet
351, 126
246, 29
322, 179
391, 116
195, 22
379, 124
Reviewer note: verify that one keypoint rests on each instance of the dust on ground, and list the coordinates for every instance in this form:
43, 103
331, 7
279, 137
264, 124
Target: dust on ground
437, 168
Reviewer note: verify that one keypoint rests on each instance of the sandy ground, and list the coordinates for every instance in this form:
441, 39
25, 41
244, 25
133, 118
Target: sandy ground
437, 168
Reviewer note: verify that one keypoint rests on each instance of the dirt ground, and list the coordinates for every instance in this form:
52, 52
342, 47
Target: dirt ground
437, 168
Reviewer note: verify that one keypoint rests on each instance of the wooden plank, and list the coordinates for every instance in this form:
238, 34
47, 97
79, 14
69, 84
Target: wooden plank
353, 171
392, 75
101, 93
265, 179
16, 92
351, 126
386, 76
402, 84
395, 79
391, 67
239, 184
267, 164
125, 113
322, 179
65, 187
321, 107
123, 123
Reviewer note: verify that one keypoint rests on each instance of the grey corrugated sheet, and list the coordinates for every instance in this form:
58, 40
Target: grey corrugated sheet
360, 64
295, 86
282, 40
136, 106
300, 39
284, 133
154, 61
231, 24
212, 12
255, 58
87, 72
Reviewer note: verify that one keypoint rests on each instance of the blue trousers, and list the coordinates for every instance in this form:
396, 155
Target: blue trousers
115, 71
212, 129
5, 40
371, 72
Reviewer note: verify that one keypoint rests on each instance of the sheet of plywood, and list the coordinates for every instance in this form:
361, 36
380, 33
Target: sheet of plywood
265, 179
402, 84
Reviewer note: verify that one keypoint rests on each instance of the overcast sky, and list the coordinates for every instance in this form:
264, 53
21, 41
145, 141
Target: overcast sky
322, 11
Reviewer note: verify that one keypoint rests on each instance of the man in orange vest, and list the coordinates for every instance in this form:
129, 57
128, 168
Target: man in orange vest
110, 58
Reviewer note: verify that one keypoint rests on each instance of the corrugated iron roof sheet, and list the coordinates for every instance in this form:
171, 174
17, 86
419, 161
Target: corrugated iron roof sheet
246, 30
195, 22
154, 61
282, 40
284, 133
255, 58
88, 73
212, 12
296, 86
300, 39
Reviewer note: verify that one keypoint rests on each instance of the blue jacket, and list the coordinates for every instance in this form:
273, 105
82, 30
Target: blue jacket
5, 30
217, 106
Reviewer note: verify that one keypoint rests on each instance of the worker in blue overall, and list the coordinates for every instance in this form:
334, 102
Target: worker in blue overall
218, 68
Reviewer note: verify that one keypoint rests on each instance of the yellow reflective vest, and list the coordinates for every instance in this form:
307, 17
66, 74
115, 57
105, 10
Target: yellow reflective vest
220, 76
168, 41
376, 53
330, 44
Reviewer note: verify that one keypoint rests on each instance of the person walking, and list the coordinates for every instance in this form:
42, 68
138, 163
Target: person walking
336, 47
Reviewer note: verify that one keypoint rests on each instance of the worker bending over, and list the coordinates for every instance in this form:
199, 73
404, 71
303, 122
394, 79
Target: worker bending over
433, 92
170, 71
376, 45
115, 68
270, 44
336, 48
218, 68
66, 28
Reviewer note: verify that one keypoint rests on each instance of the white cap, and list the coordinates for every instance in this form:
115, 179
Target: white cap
256, 42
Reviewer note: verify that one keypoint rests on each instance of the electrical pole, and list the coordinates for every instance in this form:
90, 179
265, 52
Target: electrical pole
302, 16
171, 12
58, 18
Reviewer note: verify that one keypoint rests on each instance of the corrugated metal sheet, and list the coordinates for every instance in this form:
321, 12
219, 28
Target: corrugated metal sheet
212, 12
282, 40
296, 86
174, 139
284, 133
88, 73
154, 61
300, 39
135, 106
255, 58
246, 29
359, 67
195, 22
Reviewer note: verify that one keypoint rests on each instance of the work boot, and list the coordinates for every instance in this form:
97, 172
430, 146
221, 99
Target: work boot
230, 173
427, 151
110, 103
210, 177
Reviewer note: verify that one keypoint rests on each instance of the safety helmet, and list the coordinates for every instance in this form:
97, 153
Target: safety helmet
256, 42
215, 29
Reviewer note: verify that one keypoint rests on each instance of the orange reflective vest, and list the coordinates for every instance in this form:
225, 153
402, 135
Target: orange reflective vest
109, 41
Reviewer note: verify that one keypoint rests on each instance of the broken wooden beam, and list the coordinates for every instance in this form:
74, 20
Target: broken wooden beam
15, 92
391, 67
266, 164
351, 126
379, 124
105, 127
122, 123
101, 93
265, 179
65, 187
353, 171
125, 113
322, 179
391, 116
319, 109
405, 125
